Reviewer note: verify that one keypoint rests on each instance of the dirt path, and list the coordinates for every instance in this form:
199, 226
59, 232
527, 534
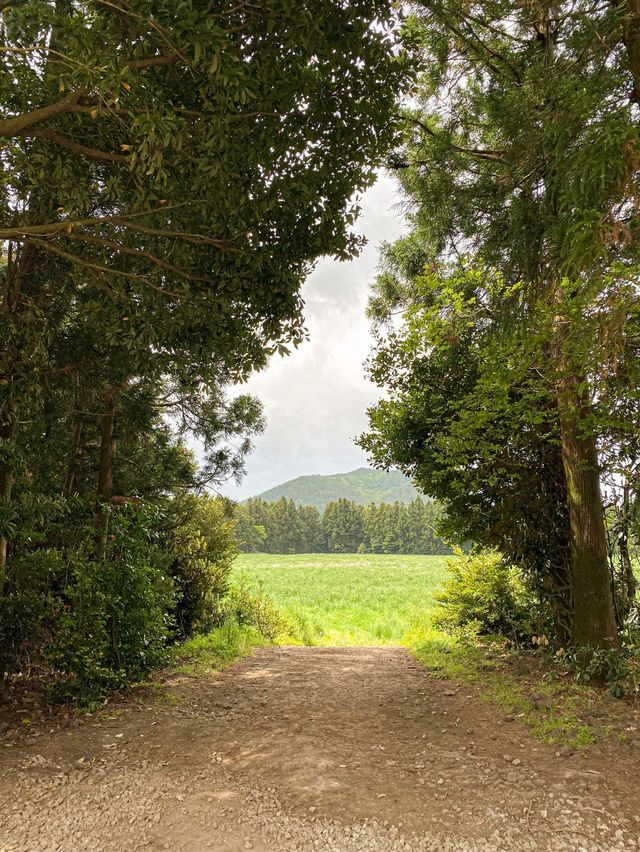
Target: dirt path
330, 749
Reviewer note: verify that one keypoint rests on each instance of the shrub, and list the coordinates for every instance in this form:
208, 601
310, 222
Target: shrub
254, 608
618, 668
484, 595
29, 608
115, 623
203, 549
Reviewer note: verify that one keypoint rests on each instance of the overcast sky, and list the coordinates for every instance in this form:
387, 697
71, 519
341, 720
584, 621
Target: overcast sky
315, 399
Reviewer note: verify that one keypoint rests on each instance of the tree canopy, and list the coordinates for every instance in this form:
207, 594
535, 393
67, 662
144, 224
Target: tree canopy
170, 175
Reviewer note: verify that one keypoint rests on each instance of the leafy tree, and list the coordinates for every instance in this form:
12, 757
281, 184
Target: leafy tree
312, 534
519, 162
342, 522
250, 535
464, 436
161, 205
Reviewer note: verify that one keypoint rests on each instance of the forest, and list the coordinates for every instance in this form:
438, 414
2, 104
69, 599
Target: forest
343, 527
162, 206
457, 670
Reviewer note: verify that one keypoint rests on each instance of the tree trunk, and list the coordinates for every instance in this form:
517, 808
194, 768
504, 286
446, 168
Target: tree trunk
105, 469
594, 622
629, 582
21, 262
630, 20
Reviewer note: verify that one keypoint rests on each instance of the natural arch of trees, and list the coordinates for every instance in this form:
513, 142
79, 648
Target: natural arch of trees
169, 175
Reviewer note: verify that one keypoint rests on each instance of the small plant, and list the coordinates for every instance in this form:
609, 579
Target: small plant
618, 668
252, 607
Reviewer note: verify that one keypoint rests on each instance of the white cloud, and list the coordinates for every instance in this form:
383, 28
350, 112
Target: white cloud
315, 399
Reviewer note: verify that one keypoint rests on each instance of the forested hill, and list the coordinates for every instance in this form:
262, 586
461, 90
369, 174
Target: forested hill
362, 486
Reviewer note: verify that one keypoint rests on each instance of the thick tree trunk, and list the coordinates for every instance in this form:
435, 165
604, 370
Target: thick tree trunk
630, 12
594, 622
105, 467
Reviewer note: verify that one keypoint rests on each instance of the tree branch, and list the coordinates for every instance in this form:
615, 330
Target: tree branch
97, 267
138, 252
149, 62
15, 125
66, 142
481, 153
51, 229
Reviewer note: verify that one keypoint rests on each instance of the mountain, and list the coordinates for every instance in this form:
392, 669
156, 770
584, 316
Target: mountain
363, 486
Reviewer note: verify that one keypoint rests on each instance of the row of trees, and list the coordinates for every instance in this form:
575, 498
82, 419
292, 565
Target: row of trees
169, 173
343, 527
507, 319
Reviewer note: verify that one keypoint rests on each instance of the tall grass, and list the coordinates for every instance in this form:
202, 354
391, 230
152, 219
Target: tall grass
348, 599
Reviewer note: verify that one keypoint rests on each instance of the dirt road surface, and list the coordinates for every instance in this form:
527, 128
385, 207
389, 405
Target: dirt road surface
349, 749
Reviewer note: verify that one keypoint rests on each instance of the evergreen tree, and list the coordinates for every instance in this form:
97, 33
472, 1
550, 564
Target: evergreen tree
518, 165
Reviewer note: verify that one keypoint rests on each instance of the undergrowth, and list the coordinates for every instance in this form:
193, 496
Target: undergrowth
217, 649
547, 704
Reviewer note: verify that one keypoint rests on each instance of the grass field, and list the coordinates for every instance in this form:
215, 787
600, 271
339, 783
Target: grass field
348, 599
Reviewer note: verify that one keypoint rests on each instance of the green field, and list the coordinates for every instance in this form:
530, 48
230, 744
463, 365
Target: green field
348, 599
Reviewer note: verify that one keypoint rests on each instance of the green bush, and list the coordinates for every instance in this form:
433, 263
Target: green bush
115, 623
252, 607
484, 595
618, 668
203, 549
102, 618
29, 608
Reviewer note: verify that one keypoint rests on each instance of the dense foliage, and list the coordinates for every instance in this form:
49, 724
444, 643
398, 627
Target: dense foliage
507, 319
169, 175
343, 527
483, 594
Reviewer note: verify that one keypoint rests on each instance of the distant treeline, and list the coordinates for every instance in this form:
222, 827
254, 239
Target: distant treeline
343, 527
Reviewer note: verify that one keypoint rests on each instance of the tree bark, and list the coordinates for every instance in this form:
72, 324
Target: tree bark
594, 621
630, 21
630, 584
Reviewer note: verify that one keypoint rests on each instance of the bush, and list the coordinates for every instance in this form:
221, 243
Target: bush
484, 595
254, 608
29, 609
104, 623
115, 624
618, 668
203, 549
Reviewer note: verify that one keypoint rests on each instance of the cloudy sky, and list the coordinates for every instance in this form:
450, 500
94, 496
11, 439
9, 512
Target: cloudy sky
315, 399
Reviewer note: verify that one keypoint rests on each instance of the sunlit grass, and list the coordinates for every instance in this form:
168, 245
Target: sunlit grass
216, 650
348, 599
